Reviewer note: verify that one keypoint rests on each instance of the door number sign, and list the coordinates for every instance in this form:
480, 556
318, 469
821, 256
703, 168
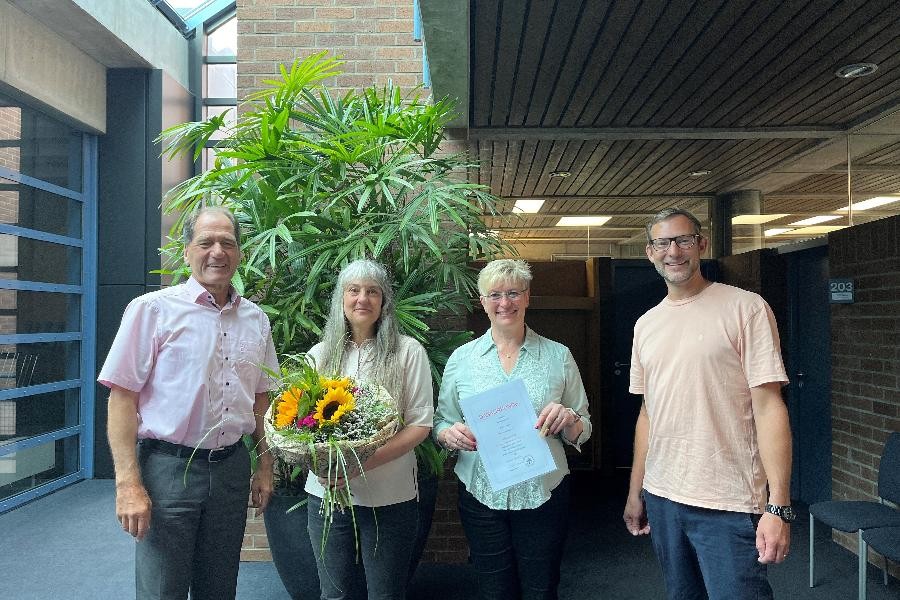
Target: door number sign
840, 291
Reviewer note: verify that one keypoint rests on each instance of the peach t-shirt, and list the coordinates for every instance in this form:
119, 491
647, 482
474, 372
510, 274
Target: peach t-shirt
694, 361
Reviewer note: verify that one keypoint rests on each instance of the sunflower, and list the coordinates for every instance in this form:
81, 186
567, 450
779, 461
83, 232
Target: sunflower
286, 411
327, 383
336, 403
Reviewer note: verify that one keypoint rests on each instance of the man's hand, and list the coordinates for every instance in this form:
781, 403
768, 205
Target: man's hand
133, 509
261, 485
773, 539
635, 515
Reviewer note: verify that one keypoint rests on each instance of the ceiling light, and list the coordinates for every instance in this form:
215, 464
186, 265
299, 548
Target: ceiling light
776, 231
871, 203
815, 220
700, 173
755, 219
560, 174
527, 206
856, 70
582, 221
817, 230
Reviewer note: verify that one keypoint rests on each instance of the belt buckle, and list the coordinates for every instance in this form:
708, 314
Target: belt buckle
212, 452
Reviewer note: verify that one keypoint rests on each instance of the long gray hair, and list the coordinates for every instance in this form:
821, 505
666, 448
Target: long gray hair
337, 331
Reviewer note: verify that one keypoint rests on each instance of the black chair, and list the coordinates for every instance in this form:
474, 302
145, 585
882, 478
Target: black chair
861, 515
886, 542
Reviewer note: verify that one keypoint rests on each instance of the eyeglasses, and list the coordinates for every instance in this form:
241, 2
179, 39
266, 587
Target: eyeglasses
512, 295
682, 241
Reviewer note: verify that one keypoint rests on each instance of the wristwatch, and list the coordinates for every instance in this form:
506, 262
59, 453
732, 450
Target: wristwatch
785, 513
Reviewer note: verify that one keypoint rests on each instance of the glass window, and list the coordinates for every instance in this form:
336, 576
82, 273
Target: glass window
22, 365
39, 146
25, 469
222, 41
32, 208
36, 260
221, 81
38, 312
230, 118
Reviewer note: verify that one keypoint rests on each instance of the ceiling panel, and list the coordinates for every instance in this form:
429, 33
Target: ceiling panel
630, 97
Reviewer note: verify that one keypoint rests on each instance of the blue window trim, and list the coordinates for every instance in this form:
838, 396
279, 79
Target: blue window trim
89, 225
41, 490
34, 390
87, 290
40, 184
41, 236
38, 440
37, 286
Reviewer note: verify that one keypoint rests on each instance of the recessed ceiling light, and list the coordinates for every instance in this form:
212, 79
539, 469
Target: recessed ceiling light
527, 206
755, 219
871, 203
817, 230
856, 70
777, 231
560, 174
700, 173
582, 221
815, 220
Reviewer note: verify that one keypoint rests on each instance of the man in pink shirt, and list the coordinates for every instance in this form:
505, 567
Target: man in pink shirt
186, 385
712, 449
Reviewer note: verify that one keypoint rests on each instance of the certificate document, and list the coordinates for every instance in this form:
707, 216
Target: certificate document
511, 449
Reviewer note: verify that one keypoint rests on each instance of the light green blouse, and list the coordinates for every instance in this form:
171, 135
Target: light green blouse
550, 375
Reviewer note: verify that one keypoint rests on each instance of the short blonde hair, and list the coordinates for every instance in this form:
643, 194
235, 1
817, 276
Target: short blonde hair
503, 269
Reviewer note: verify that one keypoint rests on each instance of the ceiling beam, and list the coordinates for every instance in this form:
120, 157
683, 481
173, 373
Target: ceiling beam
652, 133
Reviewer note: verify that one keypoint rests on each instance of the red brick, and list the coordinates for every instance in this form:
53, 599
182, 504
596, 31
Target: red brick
396, 26
335, 13
274, 26
294, 13
314, 26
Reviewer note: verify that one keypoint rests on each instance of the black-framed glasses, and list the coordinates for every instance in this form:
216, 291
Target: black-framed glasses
512, 295
682, 241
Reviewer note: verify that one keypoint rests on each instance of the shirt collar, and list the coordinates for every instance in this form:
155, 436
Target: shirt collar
532, 344
200, 294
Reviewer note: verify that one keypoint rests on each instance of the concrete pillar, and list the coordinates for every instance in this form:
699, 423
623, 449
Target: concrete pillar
723, 233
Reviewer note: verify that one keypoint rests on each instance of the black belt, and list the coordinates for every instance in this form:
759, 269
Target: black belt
207, 454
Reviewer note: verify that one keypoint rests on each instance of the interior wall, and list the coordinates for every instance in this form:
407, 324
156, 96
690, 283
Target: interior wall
132, 179
47, 70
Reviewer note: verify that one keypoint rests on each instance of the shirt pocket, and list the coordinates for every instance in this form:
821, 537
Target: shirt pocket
251, 354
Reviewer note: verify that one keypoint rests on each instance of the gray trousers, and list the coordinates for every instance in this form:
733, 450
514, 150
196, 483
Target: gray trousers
197, 520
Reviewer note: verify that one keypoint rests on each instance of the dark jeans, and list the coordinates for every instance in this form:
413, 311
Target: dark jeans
386, 538
197, 524
516, 553
706, 553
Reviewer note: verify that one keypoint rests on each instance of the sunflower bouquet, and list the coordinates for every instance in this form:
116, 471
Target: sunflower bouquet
329, 424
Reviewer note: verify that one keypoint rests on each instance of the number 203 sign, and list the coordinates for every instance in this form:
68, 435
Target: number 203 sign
840, 291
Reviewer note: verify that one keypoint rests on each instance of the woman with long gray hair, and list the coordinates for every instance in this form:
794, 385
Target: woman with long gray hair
361, 340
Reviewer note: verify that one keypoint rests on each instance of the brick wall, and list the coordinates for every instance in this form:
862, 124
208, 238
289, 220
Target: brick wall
374, 37
865, 342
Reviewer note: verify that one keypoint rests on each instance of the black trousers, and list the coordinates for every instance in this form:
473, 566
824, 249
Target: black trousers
197, 522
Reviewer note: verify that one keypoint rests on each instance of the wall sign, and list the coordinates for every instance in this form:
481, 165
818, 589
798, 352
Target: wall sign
840, 291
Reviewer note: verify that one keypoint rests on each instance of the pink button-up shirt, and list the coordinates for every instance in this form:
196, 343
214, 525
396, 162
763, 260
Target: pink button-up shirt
196, 368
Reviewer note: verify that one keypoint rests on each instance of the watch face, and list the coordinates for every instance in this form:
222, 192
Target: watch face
788, 514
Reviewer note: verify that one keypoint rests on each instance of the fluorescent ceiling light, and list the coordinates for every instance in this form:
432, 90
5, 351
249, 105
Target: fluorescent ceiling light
582, 221
817, 230
776, 231
755, 219
527, 206
816, 220
871, 203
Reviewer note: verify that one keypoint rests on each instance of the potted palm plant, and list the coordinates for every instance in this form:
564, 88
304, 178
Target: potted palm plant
318, 180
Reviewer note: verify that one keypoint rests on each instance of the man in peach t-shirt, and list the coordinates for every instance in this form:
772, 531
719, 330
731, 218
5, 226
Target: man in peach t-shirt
712, 448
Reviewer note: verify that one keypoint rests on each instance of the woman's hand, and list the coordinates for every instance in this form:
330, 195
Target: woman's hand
457, 437
555, 418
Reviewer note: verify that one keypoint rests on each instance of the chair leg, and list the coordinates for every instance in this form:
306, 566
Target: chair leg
885, 572
863, 563
812, 552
